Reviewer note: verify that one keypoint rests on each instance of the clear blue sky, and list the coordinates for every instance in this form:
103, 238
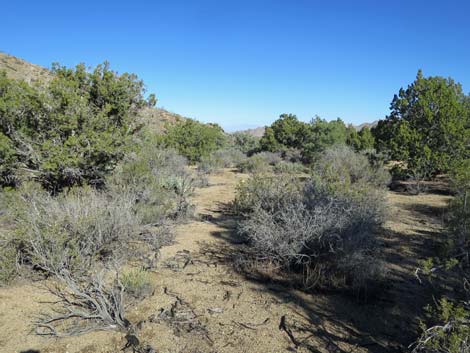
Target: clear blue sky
242, 63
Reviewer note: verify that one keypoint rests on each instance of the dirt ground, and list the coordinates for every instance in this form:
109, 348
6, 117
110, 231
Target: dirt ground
225, 311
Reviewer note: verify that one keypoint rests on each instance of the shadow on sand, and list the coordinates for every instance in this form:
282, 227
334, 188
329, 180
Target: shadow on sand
385, 323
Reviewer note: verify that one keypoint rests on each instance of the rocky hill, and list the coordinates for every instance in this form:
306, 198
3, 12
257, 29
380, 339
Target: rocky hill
19, 69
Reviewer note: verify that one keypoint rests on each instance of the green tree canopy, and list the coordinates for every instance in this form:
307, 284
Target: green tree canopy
286, 132
72, 130
195, 140
428, 125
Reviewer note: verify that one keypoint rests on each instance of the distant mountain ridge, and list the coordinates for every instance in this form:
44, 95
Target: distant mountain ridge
366, 125
256, 132
259, 131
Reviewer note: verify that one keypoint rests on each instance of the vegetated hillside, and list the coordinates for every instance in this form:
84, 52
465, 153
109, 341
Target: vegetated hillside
157, 118
19, 69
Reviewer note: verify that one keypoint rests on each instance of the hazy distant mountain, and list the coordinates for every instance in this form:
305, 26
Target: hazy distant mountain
367, 125
259, 131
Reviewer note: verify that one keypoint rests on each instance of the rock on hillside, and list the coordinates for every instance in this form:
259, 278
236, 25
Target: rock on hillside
20, 69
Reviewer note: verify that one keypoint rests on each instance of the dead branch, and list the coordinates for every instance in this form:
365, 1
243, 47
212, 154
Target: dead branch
84, 304
283, 327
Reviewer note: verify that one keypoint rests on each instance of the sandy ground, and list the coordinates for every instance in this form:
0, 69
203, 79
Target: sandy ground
230, 312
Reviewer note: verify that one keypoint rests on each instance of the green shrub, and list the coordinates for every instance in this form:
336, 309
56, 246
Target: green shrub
245, 143
72, 131
137, 283
194, 140
8, 260
447, 325
447, 330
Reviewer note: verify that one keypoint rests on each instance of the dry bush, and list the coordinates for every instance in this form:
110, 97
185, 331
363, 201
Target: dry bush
342, 165
72, 230
225, 158
84, 304
160, 181
255, 165
269, 157
325, 228
268, 192
289, 168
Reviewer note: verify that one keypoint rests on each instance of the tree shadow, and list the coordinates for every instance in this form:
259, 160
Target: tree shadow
387, 322
31, 351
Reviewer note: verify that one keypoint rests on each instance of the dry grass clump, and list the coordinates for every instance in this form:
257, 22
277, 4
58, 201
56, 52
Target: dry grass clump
137, 283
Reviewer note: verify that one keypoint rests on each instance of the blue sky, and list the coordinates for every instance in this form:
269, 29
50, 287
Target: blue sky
242, 63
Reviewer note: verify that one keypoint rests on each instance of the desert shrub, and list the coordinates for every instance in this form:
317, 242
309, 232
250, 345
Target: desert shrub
230, 157
293, 155
137, 283
72, 230
268, 193
270, 158
446, 327
254, 164
449, 330
224, 158
245, 143
340, 165
85, 303
259, 162
210, 164
289, 168
8, 260
459, 215
325, 228
160, 182
194, 140
71, 131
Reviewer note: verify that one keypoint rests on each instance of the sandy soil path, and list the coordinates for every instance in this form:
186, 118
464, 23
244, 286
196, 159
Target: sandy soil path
223, 311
